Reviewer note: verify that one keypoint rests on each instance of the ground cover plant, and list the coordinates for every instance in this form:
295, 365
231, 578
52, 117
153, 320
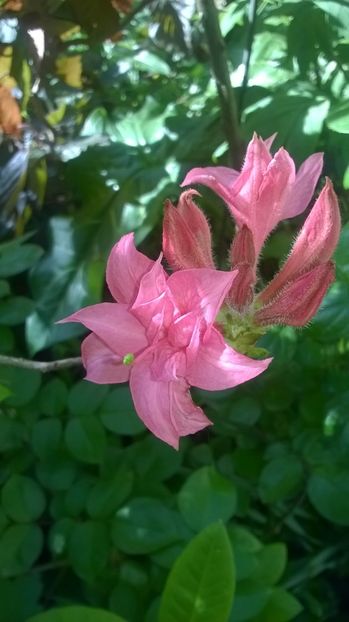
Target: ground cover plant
105, 109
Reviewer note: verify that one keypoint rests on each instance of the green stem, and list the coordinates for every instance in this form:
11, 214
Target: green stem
219, 63
251, 18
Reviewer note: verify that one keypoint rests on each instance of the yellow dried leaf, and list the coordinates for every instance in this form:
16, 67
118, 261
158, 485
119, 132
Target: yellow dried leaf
69, 69
10, 114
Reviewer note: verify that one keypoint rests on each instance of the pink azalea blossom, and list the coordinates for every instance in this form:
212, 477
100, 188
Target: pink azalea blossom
267, 189
160, 336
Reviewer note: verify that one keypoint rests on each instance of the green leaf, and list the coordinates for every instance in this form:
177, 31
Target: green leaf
144, 525
89, 549
338, 118
57, 473
46, 437
85, 439
19, 598
281, 607
280, 478
59, 284
53, 397
249, 601
18, 258
147, 61
328, 490
108, 494
22, 499
153, 460
201, 584
118, 413
4, 289
20, 546
206, 497
15, 310
85, 397
271, 564
76, 614
23, 384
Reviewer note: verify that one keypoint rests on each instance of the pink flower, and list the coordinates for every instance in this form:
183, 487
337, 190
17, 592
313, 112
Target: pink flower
267, 189
160, 336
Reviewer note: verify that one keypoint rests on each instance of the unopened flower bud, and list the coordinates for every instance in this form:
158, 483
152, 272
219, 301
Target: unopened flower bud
186, 235
300, 299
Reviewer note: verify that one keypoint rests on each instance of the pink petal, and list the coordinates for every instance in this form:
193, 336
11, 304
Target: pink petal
102, 365
152, 307
273, 191
114, 325
269, 141
304, 186
164, 407
257, 160
201, 291
213, 177
125, 268
219, 367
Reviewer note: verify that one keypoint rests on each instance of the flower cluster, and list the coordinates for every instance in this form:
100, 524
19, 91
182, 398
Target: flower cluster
266, 191
164, 333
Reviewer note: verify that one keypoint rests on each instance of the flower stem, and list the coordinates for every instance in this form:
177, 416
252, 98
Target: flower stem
219, 63
42, 366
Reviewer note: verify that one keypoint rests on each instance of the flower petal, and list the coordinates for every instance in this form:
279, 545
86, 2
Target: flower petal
114, 325
102, 365
125, 268
201, 291
215, 177
218, 366
304, 186
165, 407
152, 307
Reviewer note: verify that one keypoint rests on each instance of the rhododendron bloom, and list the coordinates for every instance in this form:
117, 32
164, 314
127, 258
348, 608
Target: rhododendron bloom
267, 189
160, 336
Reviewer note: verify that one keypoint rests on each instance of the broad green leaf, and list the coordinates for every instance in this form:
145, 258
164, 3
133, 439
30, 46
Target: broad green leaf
15, 310
206, 497
281, 607
89, 548
328, 490
144, 525
201, 584
22, 499
271, 563
76, 614
118, 413
109, 493
20, 597
338, 118
46, 437
249, 601
147, 61
85, 397
57, 473
23, 384
18, 258
59, 284
53, 397
85, 438
153, 460
20, 546
280, 478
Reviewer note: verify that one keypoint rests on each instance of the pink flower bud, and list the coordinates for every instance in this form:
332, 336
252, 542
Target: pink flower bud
241, 293
186, 237
315, 243
242, 249
300, 299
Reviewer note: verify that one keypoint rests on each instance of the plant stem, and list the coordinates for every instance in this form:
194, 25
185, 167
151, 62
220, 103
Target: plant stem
225, 91
43, 366
251, 18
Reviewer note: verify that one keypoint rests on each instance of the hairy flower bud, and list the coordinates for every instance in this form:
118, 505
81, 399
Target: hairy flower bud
186, 235
300, 299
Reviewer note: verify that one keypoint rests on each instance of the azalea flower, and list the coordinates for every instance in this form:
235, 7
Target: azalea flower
267, 190
160, 336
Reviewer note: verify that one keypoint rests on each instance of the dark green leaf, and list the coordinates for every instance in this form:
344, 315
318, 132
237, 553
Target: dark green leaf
20, 546
22, 499
76, 614
89, 548
85, 439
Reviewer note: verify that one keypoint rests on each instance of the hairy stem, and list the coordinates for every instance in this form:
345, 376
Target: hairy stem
225, 91
43, 366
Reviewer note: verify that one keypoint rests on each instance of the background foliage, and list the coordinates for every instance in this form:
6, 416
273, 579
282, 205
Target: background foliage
118, 102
